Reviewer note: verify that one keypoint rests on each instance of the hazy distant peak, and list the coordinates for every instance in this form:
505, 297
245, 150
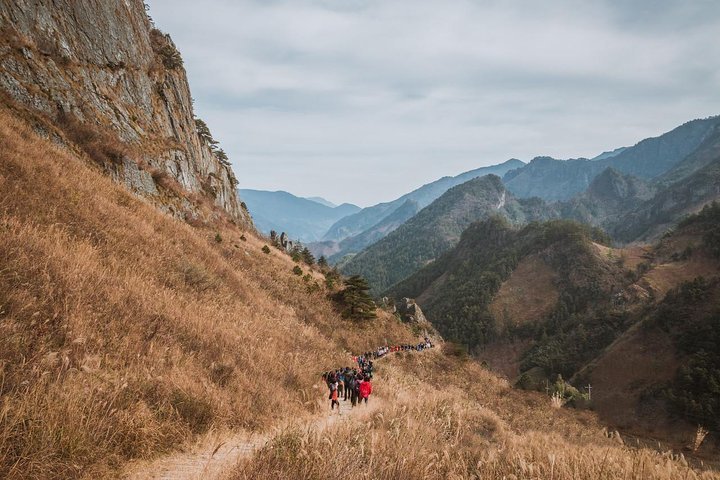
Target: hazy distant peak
610, 154
322, 201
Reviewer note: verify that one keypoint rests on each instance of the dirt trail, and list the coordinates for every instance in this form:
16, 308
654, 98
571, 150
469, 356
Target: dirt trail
218, 452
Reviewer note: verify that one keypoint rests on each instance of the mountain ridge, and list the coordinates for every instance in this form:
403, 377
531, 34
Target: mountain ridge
436, 228
301, 218
423, 195
552, 179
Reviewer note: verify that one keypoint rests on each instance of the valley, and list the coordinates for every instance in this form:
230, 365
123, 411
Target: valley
159, 321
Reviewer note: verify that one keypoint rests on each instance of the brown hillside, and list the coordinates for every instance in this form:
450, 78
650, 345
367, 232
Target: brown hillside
627, 376
633, 365
529, 294
123, 331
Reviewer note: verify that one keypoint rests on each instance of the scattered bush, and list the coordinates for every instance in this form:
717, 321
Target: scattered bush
332, 278
307, 257
266, 249
197, 276
457, 350
322, 262
221, 373
165, 49
164, 181
195, 411
297, 270
102, 148
218, 238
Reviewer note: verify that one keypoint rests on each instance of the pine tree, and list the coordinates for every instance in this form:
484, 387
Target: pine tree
296, 253
307, 256
354, 299
322, 262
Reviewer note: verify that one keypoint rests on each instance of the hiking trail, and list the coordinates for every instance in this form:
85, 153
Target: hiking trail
218, 452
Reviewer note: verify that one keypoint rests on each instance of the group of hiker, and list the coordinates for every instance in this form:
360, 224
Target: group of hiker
356, 383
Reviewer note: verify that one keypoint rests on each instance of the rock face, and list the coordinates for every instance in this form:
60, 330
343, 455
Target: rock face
410, 311
103, 64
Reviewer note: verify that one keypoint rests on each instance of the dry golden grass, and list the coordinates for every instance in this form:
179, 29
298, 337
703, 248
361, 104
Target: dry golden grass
455, 430
124, 332
535, 283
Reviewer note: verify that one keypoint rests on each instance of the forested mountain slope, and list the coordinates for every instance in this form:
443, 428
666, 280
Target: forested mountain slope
550, 299
437, 228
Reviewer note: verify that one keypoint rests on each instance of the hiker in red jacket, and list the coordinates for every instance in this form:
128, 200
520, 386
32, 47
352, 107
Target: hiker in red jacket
334, 396
365, 390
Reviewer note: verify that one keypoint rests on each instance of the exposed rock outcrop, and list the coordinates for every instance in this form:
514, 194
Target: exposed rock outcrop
104, 65
410, 311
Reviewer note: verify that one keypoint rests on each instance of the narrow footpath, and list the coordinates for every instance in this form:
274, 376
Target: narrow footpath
219, 451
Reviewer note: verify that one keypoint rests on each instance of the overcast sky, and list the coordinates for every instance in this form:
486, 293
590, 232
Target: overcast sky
364, 100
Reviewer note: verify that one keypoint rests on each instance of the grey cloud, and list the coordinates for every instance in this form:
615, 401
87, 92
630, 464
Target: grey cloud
370, 98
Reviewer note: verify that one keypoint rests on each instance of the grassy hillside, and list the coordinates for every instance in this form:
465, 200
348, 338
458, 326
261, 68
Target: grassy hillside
437, 228
124, 332
440, 417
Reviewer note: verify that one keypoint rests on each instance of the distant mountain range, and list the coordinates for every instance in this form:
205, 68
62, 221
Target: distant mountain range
351, 234
437, 228
423, 196
684, 178
552, 179
301, 218
322, 201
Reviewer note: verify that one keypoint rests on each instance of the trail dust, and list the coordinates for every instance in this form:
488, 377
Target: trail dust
218, 451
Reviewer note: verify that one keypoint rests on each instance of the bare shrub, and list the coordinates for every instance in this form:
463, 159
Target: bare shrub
221, 373
197, 276
455, 350
101, 147
196, 411
165, 49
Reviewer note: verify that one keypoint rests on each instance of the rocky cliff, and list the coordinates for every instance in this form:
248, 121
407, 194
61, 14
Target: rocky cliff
98, 74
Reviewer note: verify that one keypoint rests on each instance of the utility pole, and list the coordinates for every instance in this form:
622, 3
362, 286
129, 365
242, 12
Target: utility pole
589, 389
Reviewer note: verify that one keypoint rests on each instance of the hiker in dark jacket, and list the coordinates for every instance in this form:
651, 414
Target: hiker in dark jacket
355, 393
349, 386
